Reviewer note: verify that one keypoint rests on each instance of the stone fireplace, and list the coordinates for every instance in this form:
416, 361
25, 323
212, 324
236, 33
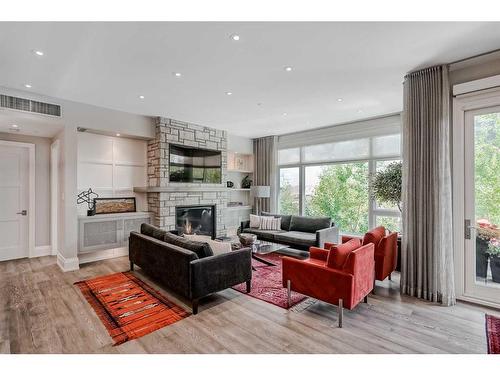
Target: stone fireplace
165, 197
196, 220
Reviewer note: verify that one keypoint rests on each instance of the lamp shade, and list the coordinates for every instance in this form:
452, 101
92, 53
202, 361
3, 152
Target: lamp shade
261, 191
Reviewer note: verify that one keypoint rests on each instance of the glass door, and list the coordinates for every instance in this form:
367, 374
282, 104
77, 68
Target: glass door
482, 204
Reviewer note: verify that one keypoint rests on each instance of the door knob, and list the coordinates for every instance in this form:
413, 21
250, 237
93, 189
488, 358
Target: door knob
23, 212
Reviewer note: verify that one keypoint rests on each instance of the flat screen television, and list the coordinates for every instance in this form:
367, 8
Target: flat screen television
188, 164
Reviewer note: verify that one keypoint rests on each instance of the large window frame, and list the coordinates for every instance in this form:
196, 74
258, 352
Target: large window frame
373, 210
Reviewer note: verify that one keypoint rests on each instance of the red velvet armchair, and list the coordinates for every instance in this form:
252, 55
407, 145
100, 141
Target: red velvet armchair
344, 281
386, 250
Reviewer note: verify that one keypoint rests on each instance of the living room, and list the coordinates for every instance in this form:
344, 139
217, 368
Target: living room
249, 188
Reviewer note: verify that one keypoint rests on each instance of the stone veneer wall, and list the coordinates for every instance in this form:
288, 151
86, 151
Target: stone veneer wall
162, 204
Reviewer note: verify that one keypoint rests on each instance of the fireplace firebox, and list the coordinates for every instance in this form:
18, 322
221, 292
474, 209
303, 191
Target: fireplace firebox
195, 220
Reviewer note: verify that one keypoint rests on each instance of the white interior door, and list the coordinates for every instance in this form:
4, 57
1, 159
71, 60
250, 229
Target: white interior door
14, 201
482, 204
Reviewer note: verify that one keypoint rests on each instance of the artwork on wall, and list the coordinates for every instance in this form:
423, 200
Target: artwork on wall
114, 205
89, 197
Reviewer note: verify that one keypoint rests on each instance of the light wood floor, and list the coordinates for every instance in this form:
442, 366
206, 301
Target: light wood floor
42, 312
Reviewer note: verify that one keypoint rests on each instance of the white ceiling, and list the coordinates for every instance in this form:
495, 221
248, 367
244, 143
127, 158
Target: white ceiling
111, 64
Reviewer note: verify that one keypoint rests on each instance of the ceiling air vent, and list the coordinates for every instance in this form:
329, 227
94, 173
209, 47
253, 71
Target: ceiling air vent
26, 105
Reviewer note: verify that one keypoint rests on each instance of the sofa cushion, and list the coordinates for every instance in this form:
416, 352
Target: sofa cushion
218, 247
374, 236
285, 219
202, 249
263, 234
297, 238
309, 224
338, 254
152, 231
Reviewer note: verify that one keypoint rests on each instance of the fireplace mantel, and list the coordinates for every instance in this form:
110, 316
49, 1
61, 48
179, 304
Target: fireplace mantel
174, 189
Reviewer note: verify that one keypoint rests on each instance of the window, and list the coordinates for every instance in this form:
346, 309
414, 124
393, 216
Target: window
339, 191
332, 179
289, 196
289, 156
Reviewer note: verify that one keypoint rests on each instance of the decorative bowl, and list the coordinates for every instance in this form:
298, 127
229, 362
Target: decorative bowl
247, 239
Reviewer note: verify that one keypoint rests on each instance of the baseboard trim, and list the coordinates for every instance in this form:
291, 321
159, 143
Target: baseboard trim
102, 255
67, 265
41, 251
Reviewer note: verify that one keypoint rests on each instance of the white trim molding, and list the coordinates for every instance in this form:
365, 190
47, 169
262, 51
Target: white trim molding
477, 85
71, 264
102, 254
41, 251
461, 105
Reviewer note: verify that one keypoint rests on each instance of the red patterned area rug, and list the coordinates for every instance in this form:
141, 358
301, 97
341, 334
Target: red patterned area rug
267, 284
493, 334
128, 307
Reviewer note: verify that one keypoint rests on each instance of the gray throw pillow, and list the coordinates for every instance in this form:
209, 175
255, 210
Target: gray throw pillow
202, 249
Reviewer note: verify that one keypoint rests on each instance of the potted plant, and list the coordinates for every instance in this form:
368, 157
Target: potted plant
484, 234
494, 253
386, 185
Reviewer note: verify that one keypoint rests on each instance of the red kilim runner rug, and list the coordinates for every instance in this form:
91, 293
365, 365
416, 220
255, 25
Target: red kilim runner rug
493, 334
128, 307
267, 284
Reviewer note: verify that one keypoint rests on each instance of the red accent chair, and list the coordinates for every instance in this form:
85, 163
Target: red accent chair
344, 281
386, 250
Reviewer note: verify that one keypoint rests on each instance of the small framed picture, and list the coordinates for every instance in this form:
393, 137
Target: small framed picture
114, 205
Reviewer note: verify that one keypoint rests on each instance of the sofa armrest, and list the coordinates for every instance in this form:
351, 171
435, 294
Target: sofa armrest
165, 262
317, 253
244, 224
327, 235
218, 272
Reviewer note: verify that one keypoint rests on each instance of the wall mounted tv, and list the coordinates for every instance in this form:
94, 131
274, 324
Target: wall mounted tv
188, 164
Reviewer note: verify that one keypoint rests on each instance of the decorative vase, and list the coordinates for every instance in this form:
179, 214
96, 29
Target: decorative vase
481, 257
247, 239
495, 268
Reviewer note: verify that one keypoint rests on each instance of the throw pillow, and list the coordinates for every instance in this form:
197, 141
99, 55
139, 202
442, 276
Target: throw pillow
339, 253
202, 249
254, 221
270, 223
218, 247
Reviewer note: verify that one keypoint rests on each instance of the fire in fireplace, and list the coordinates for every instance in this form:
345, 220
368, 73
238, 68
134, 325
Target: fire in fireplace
195, 220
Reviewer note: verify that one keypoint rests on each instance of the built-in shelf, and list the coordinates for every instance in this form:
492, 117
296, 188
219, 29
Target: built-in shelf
239, 171
239, 208
173, 189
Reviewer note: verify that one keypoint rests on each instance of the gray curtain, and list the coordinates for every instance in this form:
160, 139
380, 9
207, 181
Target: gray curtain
264, 154
427, 250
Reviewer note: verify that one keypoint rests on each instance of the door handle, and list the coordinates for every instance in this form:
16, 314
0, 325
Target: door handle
23, 212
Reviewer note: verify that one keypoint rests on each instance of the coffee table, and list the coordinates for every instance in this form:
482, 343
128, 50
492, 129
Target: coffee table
265, 247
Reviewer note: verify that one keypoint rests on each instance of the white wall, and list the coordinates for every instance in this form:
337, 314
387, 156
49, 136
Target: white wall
111, 166
239, 144
42, 183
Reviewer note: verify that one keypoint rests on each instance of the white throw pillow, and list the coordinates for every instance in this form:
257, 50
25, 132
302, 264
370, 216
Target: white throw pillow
254, 221
270, 223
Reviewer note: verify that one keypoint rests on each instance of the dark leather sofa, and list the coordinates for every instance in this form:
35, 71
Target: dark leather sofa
188, 268
298, 232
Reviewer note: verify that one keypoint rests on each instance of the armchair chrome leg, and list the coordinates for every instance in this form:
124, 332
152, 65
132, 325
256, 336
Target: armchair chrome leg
289, 292
366, 299
390, 277
341, 312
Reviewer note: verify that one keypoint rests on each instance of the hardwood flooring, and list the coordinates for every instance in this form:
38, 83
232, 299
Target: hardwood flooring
42, 312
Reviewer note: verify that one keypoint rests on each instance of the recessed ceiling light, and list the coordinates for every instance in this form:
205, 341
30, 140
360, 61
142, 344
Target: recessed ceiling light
38, 53
141, 96
229, 93
235, 37
118, 134
177, 74
284, 113
28, 86
15, 126
339, 99
288, 68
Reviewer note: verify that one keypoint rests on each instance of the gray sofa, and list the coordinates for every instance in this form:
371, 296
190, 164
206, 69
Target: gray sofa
298, 232
188, 268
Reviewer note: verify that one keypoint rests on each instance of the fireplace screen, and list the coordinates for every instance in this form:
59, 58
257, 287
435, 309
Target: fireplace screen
195, 220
